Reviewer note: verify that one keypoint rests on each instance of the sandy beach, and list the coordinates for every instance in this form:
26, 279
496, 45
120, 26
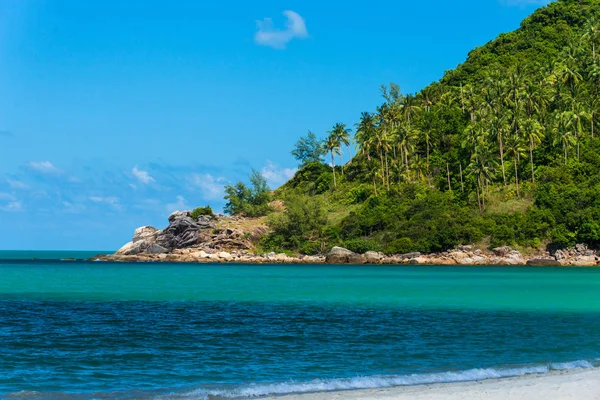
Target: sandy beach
579, 385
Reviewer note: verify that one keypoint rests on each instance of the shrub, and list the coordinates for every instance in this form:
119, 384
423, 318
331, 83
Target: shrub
360, 246
400, 246
199, 211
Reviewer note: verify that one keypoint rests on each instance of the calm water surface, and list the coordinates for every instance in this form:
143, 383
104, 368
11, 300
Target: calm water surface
98, 330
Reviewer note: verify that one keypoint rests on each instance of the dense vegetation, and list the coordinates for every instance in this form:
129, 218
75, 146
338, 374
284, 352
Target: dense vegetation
502, 150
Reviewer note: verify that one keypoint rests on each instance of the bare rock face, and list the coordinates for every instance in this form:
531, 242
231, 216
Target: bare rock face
183, 231
339, 255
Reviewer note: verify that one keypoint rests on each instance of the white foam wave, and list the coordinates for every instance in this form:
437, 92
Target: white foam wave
374, 382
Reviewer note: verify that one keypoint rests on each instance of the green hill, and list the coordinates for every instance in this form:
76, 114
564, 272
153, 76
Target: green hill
503, 150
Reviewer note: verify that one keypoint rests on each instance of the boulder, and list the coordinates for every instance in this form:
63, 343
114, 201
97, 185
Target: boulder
408, 256
561, 255
372, 257
225, 256
458, 255
147, 233
479, 260
584, 260
179, 214
543, 262
501, 251
512, 261
339, 255
281, 257
125, 249
155, 249
418, 260
467, 261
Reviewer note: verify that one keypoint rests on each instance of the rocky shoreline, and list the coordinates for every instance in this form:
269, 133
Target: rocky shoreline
225, 239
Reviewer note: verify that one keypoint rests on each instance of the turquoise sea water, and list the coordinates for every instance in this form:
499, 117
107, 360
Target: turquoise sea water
98, 330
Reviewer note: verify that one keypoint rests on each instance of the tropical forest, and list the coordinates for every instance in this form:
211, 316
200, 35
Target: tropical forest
503, 150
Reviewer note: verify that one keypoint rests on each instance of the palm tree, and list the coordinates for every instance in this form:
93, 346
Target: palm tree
563, 133
515, 146
483, 168
342, 136
381, 141
578, 114
534, 131
332, 146
365, 129
592, 34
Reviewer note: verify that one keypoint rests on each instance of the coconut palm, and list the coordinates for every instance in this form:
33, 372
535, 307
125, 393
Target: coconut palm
342, 136
482, 167
592, 34
516, 148
332, 146
365, 129
563, 132
534, 132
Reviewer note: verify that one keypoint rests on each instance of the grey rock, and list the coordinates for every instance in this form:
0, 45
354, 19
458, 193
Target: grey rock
409, 256
580, 248
179, 214
465, 248
156, 249
502, 251
206, 222
561, 255
339, 255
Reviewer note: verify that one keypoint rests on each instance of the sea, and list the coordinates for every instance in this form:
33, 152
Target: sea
73, 328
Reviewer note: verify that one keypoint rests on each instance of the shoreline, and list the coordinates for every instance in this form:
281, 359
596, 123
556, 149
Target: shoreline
464, 256
580, 384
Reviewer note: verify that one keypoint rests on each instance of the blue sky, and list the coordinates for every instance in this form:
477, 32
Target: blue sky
115, 113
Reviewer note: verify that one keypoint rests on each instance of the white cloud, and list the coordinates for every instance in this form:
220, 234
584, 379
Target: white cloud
107, 200
180, 205
16, 184
45, 167
142, 176
275, 175
267, 35
6, 196
211, 188
13, 206
71, 208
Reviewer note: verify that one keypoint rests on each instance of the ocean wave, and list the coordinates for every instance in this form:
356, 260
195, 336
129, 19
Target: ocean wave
373, 382
323, 385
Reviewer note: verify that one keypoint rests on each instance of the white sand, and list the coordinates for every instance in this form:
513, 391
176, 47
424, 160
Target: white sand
576, 385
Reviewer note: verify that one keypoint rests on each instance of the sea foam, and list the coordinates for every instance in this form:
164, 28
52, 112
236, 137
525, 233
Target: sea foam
375, 382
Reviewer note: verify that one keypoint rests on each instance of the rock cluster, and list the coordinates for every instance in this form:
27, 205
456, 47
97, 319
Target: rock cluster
221, 239
186, 232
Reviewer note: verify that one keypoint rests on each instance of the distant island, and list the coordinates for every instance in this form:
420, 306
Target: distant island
497, 163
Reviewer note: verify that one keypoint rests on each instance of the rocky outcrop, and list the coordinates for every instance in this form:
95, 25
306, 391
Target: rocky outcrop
222, 239
339, 255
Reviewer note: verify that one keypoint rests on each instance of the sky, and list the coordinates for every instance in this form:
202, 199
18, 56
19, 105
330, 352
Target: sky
115, 113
